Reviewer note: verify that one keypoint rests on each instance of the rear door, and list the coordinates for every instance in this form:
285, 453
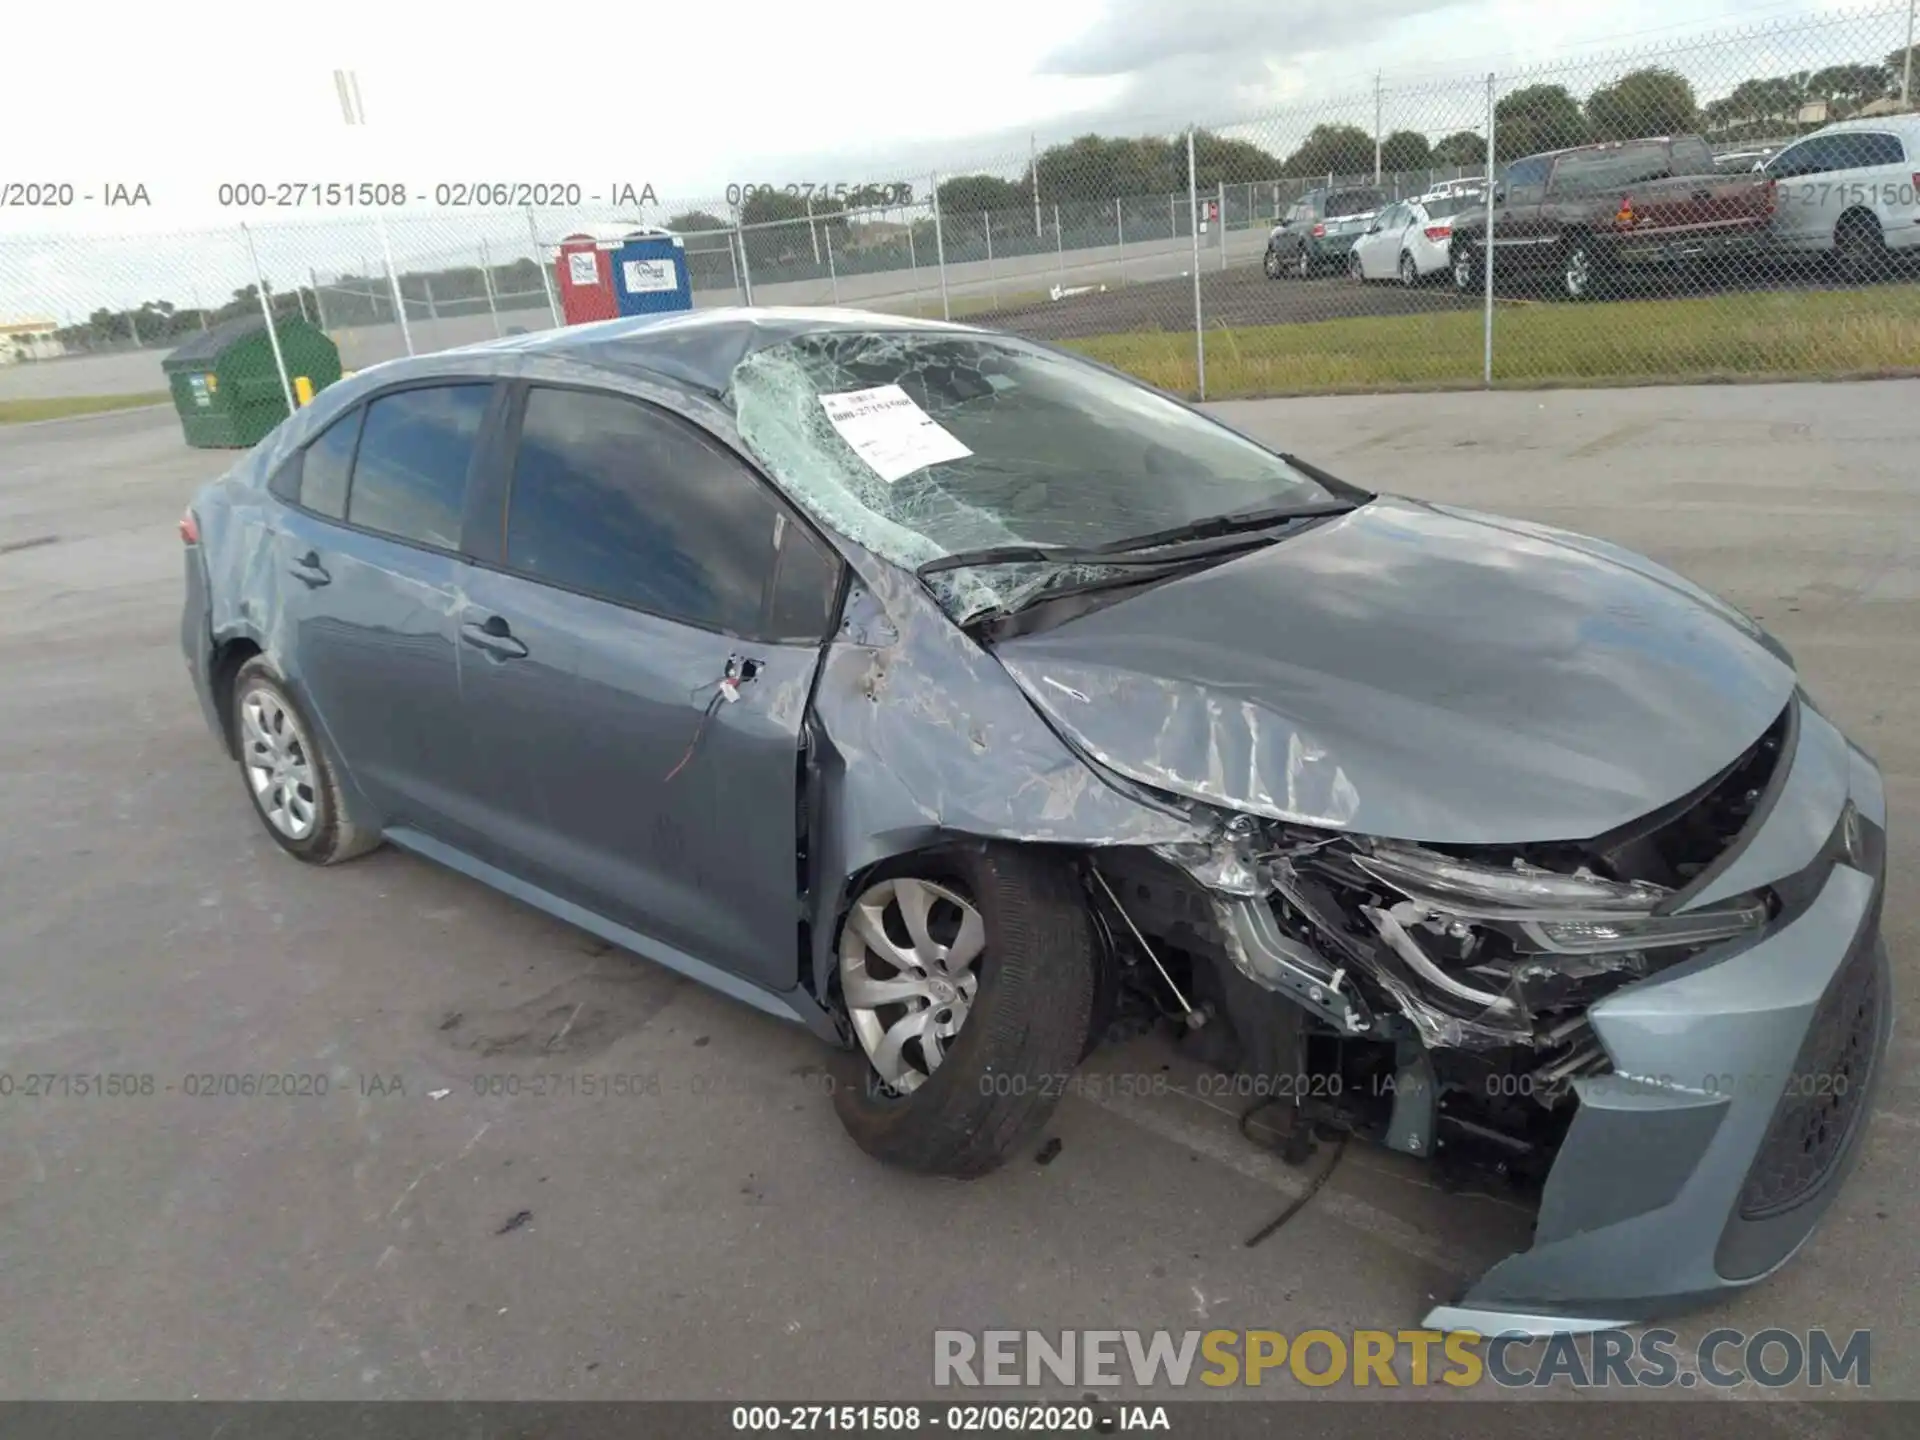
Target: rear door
369, 576
1522, 230
639, 641
1379, 248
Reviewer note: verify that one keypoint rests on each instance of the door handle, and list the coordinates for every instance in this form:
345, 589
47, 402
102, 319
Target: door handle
309, 569
494, 636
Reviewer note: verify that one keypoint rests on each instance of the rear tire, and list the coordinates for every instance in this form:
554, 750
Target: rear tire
288, 777
1581, 272
1303, 265
1272, 264
1024, 1033
1860, 247
1409, 271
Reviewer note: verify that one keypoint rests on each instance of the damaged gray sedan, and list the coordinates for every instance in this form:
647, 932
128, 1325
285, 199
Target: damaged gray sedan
971, 703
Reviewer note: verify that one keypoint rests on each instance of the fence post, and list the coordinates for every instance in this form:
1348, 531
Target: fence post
266, 311
319, 305
486, 279
1199, 323
133, 325
1173, 223
1120, 238
833, 275
546, 278
426, 284
940, 250
1059, 248
393, 282
1221, 205
1486, 261
746, 265
986, 221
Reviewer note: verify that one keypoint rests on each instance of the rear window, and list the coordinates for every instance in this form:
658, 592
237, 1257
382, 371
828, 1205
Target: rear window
410, 475
1691, 156
1442, 207
1353, 202
1589, 171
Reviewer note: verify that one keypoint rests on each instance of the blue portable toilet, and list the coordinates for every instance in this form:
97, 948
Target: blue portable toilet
650, 274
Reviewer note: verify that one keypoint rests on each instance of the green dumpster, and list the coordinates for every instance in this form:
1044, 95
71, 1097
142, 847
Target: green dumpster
225, 384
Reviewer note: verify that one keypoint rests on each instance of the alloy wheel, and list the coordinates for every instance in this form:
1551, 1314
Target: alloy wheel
908, 972
1463, 270
279, 764
1303, 267
1273, 265
1354, 269
1409, 272
1579, 275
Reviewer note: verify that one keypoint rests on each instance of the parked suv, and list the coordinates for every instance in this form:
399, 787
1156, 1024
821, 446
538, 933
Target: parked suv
1850, 191
1585, 214
1319, 230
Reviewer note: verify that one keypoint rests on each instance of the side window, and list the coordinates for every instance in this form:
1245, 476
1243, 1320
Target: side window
316, 478
410, 477
1525, 175
622, 501
1857, 150
1691, 156
1810, 157
806, 582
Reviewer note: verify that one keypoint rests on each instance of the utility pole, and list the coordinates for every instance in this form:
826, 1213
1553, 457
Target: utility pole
1033, 170
1376, 126
1906, 70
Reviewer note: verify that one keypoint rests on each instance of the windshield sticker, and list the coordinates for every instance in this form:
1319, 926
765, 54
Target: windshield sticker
887, 430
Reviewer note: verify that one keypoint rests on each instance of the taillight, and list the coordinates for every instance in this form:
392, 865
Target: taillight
1624, 218
189, 529
1439, 232
1318, 231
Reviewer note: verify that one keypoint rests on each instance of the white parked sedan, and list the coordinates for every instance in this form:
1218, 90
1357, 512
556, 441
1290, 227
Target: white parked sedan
1409, 240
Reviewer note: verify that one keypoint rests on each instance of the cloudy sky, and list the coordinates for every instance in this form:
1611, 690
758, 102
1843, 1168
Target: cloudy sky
692, 97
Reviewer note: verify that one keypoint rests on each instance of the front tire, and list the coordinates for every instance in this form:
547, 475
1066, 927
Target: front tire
989, 952
1272, 264
1580, 271
1466, 269
288, 777
1355, 270
1409, 271
1303, 265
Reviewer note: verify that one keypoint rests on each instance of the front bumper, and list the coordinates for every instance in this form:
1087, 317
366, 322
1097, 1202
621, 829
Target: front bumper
1741, 1086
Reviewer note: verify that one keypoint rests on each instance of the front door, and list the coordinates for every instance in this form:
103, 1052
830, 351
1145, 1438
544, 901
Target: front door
636, 661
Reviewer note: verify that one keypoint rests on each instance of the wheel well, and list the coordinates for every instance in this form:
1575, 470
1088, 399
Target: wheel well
1858, 216
227, 661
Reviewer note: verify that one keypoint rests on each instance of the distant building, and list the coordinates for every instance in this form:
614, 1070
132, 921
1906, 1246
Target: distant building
29, 340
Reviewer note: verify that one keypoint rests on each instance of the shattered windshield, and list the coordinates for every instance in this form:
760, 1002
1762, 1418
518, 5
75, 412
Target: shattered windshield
921, 445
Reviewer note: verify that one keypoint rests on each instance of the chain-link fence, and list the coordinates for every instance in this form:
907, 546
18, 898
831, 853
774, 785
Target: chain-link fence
1744, 204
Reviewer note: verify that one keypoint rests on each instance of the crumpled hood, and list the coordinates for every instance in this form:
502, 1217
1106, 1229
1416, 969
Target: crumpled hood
1417, 672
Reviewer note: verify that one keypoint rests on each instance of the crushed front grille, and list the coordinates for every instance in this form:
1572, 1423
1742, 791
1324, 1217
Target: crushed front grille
1822, 1102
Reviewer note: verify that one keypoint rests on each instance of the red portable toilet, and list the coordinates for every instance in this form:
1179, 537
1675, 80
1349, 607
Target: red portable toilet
585, 271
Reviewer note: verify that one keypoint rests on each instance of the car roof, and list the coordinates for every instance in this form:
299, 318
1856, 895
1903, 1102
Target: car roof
695, 349
1904, 122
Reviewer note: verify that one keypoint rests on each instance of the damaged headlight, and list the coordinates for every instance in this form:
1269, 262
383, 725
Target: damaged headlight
1577, 914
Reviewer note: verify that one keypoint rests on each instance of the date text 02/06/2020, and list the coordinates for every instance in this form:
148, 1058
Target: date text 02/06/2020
441, 195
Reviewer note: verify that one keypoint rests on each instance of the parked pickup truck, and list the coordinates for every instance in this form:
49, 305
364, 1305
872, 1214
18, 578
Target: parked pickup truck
1585, 214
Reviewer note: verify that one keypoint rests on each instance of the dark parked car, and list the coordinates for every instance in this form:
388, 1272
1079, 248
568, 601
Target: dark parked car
968, 702
1583, 216
1319, 229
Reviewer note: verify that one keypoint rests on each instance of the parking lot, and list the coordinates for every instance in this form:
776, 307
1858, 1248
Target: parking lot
467, 1210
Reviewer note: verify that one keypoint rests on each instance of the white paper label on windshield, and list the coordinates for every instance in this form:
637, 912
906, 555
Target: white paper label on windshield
887, 430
